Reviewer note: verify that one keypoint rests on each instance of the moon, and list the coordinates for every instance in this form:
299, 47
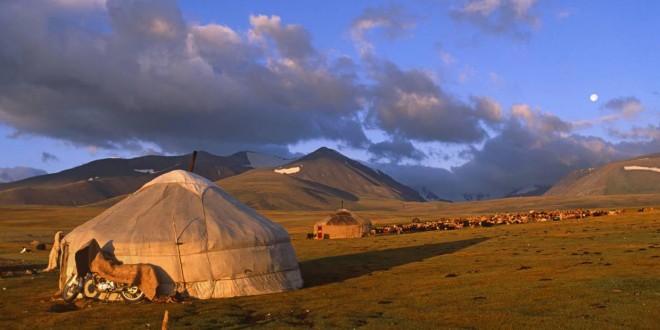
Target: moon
593, 97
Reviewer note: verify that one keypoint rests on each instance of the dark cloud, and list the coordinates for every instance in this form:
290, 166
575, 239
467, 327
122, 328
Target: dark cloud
626, 107
503, 17
531, 148
136, 73
48, 157
648, 133
409, 104
395, 151
521, 156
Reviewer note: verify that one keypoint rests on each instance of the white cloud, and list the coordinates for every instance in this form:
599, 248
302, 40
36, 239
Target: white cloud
567, 13
392, 20
511, 17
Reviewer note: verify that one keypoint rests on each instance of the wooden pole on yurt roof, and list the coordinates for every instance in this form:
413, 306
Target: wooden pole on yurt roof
192, 161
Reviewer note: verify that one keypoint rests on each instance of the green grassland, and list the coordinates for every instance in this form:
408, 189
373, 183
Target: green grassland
601, 272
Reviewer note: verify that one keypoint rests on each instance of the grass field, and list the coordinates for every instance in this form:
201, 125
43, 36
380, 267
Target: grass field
599, 272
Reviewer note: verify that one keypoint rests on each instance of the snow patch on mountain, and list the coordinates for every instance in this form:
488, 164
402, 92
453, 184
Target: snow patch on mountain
641, 168
290, 170
145, 171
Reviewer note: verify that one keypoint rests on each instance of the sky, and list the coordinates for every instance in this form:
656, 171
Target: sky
481, 96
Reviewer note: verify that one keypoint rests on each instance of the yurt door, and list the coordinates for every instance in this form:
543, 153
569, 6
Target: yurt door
319, 232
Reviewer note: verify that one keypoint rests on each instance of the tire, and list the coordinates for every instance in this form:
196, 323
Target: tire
71, 289
90, 290
132, 294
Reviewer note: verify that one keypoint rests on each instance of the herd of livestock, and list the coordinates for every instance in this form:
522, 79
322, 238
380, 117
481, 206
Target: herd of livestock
490, 220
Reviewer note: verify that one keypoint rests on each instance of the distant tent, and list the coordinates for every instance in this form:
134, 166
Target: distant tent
201, 240
342, 224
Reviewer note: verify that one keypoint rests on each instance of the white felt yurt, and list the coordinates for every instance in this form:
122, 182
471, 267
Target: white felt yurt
342, 224
202, 241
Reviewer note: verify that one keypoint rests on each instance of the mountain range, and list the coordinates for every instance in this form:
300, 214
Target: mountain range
323, 178
320, 180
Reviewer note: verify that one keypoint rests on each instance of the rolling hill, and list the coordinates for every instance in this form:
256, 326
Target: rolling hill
640, 175
320, 180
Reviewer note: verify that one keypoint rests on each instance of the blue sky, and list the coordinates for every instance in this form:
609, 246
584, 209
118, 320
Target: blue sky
446, 85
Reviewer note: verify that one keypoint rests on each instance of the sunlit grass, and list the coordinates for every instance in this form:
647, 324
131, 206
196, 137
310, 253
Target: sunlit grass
593, 273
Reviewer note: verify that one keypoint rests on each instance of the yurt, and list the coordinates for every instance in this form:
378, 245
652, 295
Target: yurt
342, 224
201, 241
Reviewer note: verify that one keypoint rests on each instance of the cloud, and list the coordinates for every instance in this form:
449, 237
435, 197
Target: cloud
625, 107
136, 72
544, 123
502, 17
292, 41
48, 157
650, 132
488, 109
409, 104
393, 20
528, 151
395, 151
531, 148
567, 13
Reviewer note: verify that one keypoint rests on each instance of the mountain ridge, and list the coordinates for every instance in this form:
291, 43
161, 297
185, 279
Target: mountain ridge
630, 176
319, 180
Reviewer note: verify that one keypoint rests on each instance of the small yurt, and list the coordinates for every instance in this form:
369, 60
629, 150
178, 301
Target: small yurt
342, 224
201, 241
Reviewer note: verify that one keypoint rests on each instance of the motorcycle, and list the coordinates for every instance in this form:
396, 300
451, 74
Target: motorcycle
91, 284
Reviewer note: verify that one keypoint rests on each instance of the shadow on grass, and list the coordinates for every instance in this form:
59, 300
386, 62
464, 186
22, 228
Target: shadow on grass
343, 267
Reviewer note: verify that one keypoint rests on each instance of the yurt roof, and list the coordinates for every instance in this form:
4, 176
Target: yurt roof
183, 202
195, 183
344, 217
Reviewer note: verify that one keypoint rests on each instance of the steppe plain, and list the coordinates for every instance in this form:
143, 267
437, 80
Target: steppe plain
600, 272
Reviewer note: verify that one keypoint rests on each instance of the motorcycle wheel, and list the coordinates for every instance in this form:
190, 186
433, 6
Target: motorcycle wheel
71, 289
90, 290
132, 294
